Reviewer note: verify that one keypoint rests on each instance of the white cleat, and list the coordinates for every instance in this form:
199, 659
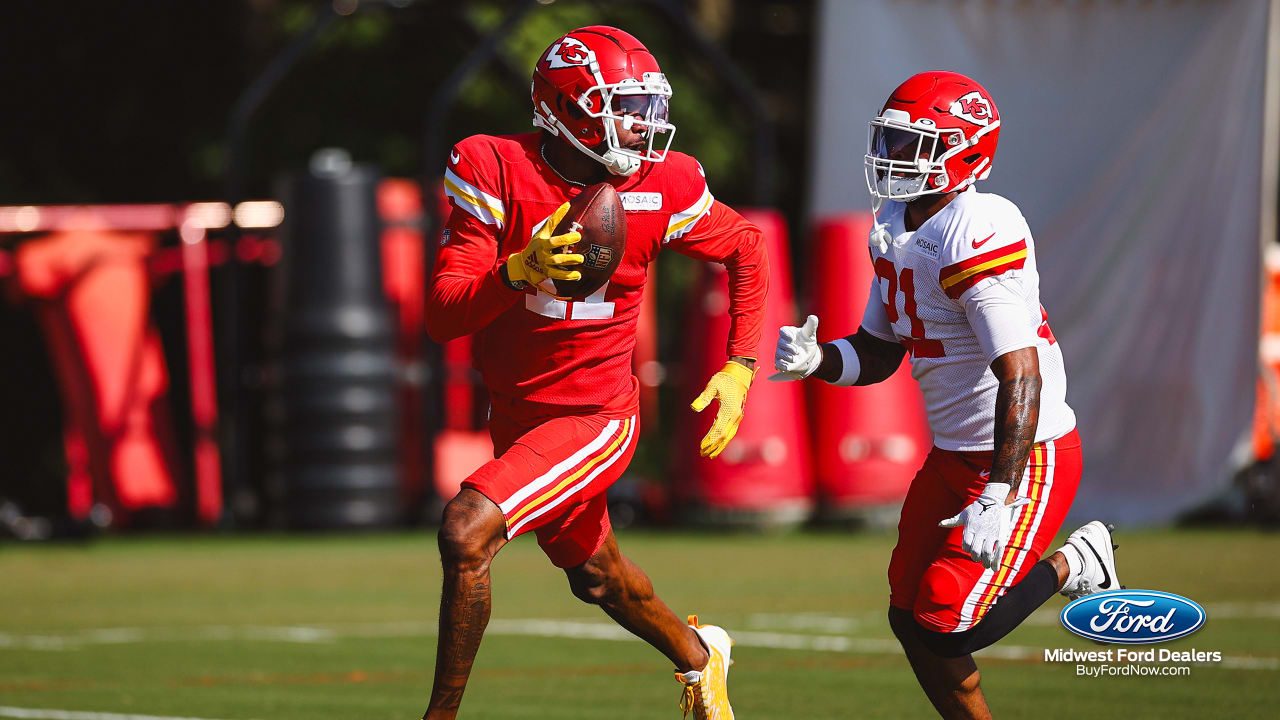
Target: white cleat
1097, 573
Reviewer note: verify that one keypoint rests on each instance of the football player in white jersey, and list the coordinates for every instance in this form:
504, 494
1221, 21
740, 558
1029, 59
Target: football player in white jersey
956, 287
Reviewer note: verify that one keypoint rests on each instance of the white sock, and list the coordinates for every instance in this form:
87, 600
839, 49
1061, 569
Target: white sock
1074, 561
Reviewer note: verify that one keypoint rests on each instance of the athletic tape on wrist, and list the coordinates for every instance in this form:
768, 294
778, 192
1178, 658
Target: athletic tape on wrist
850, 366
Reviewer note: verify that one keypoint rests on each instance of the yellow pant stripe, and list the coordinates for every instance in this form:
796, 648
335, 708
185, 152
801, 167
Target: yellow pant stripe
583, 470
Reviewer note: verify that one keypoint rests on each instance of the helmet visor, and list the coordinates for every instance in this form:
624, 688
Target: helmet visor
643, 115
635, 116
652, 109
894, 144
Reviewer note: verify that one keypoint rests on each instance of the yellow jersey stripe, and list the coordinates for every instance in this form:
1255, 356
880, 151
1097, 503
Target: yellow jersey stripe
966, 274
697, 211
478, 202
485, 207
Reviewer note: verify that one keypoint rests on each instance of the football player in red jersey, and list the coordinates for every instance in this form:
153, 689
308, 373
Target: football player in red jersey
563, 398
957, 287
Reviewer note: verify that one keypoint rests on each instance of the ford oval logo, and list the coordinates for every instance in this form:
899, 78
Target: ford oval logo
1133, 616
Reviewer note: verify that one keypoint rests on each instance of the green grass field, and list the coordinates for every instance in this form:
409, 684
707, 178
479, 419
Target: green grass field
343, 627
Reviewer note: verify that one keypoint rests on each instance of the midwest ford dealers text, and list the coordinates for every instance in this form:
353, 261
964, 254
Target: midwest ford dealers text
1071, 655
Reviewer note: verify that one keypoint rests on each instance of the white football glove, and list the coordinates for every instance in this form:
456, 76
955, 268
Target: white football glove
798, 354
987, 524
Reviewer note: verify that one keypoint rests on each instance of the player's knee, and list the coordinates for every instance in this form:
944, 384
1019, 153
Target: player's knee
969, 684
938, 598
919, 638
592, 588
466, 535
594, 584
460, 549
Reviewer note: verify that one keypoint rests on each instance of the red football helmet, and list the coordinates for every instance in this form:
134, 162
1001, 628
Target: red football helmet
937, 133
594, 76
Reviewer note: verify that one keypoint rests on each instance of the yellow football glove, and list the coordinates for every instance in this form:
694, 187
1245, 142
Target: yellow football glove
730, 387
538, 259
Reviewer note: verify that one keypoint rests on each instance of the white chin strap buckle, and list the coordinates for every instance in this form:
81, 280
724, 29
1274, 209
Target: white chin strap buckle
879, 237
620, 164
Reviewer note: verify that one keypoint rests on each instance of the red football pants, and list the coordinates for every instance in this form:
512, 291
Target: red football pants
551, 478
931, 575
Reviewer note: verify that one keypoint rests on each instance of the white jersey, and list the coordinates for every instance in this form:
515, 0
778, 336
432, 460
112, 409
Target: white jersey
959, 292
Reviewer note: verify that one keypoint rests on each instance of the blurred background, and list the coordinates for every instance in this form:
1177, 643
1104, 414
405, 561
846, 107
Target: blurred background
218, 220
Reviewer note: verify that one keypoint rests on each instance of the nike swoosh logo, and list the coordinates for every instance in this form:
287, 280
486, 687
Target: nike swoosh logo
979, 243
1106, 576
454, 157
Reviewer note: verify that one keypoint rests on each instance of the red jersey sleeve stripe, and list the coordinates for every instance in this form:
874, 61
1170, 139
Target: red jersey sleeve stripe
985, 257
955, 279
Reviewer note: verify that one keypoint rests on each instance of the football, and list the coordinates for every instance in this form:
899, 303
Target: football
596, 213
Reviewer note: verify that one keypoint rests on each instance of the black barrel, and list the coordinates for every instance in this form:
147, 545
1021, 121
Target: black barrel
335, 411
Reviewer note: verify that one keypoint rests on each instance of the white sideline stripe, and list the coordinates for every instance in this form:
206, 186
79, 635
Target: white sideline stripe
127, 635
1250, 663
569, 629
818, 622
1245, 610
820, 643
46, 714
773, 640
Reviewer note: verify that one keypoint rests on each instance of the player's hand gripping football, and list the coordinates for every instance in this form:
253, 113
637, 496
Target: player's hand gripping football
987, 522
798, 354
540, 257
729, 386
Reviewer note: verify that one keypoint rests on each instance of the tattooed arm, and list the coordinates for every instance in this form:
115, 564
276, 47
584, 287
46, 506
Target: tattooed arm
1017, 414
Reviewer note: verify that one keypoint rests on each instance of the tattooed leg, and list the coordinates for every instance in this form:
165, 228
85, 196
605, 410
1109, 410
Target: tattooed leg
471, 534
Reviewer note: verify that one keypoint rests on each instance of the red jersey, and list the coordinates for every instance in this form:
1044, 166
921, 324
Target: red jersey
541, 355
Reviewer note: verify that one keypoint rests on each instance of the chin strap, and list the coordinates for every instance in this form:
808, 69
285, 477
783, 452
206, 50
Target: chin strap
879, 236
619, 164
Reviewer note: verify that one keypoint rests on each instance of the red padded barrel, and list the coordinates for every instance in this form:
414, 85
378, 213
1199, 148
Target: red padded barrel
92, 295
867, 441
764, 477
404, 280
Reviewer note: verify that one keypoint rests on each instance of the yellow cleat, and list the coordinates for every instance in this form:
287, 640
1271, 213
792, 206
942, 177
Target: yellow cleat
706, 691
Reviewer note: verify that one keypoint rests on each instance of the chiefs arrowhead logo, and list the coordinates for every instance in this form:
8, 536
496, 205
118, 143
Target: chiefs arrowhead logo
569, 52
973, 108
